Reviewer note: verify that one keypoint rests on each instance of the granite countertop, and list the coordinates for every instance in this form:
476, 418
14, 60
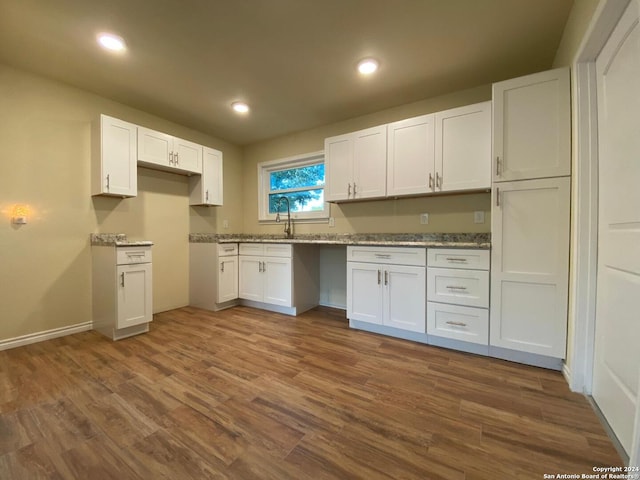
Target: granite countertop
115, 240
449, 240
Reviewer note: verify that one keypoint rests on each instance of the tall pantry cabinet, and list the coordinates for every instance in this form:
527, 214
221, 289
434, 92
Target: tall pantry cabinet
530, 216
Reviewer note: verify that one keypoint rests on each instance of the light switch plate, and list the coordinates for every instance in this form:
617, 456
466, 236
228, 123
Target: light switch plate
332, 222
424, 219
478, 217
225, 224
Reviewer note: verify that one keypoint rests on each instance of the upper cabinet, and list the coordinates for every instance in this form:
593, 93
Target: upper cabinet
410, 166
442, 152
532, 126
463, 148
159, 150
206, 189
355, 165
114, 158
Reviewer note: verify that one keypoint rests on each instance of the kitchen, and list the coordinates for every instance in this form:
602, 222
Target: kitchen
46, 127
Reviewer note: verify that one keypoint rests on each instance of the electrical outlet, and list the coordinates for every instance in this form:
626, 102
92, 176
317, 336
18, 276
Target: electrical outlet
225, 224
424, 219
332, 222
478, 217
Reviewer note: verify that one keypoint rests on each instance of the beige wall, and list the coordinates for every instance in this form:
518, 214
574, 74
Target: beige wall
453, 213
45, 267
574, 30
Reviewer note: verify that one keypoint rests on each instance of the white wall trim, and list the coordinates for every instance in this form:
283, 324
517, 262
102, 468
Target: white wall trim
566, 373
585, 192
45, 335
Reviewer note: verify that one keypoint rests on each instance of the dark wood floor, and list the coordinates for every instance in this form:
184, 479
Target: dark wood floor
245, 394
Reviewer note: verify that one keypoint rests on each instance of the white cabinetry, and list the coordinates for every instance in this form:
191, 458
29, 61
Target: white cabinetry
213, 275
532, 126
530, 261
122, 290
206, 189
386, 286
356, 165
458, 295
114, 158
463, 148
159, 150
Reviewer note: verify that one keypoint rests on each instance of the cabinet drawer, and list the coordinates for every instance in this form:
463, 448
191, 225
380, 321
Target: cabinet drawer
468, 324
387, 255
458, 258
266, 249
227, 249
131, 255
458, 287
251, 249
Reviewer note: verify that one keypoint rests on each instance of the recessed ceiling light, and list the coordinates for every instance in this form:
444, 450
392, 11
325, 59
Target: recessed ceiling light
240, 107
367, 66
111, 42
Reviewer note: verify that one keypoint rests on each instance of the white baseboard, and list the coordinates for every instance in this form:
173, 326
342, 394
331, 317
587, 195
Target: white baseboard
566, 372
46, 335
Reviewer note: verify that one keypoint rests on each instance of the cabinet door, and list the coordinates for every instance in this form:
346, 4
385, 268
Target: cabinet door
463, 148
118, 162
410, 166
370, 163
206, 189
532, 126
277, 281
187, 155
154, 147
405, 297
364, 292
250, 278
529, 266
227, 278
134, 295
338, 165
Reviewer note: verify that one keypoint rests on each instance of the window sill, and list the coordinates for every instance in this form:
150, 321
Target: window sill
294, 221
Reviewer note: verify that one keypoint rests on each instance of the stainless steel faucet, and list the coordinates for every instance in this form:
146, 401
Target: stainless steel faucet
287, 227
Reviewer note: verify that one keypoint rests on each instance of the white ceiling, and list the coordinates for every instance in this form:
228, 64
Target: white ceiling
293, 61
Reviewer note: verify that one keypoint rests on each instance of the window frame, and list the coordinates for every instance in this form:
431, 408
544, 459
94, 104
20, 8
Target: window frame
264, 187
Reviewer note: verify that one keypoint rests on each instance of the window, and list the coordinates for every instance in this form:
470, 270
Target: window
301, 180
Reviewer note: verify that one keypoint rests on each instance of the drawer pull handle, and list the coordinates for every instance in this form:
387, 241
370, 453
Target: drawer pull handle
456, 287
383, 255
457, 324
454, 259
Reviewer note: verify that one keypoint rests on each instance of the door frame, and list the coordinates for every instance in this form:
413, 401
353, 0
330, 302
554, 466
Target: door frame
584, 222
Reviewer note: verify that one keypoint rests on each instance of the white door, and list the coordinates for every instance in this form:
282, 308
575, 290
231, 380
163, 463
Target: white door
277, 281
338, 152
463, 148
370, 163
410, 166
227, 278
617, 342
187, 155
530, 266
154, 147
134, 295
119, 162
364, 292
404, 297
250, 278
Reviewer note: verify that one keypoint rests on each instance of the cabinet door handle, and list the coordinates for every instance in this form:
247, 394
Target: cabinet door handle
431, 181
222, 266
348, 190
264, 267
354, 189
438, 181
378, 277
260, 267
497, 166
207, 196
386, 277
177, 158
170, 158
122, 279
497, 196
456, 324
108, 182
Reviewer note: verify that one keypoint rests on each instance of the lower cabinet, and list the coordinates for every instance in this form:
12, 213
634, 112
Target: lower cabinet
265, 279
134, 295
384, 293
213, 275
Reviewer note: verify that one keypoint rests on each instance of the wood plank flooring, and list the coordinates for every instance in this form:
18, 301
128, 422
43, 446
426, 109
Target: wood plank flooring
246, 394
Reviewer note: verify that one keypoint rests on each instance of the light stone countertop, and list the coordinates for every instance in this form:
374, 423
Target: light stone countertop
443, 240
115, 240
